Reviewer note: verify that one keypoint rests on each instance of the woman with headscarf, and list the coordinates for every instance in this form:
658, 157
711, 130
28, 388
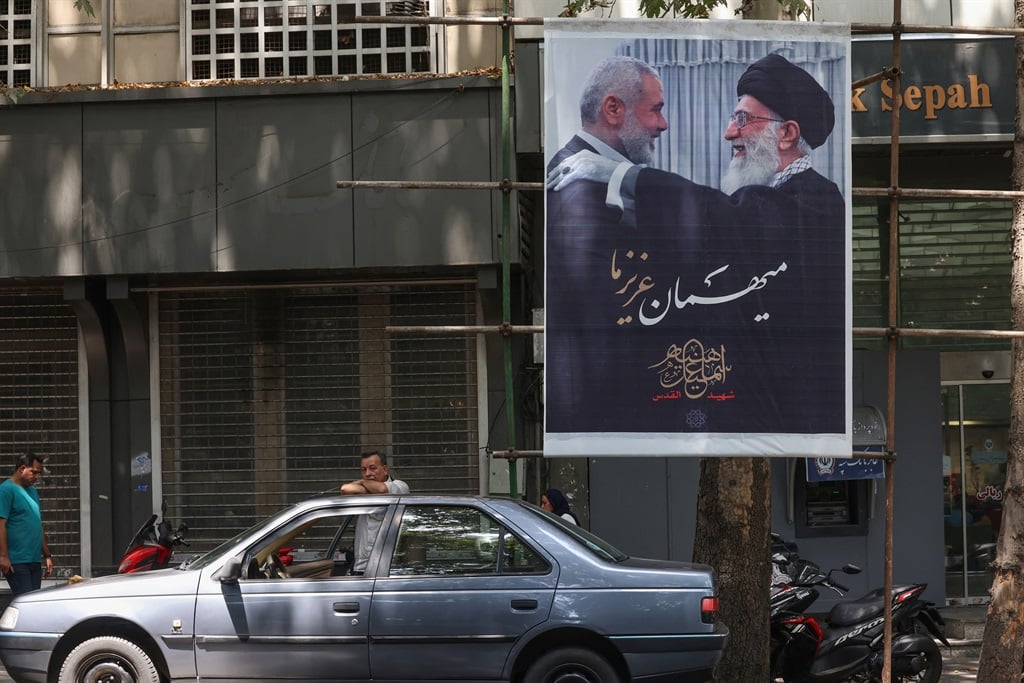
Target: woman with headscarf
554, 501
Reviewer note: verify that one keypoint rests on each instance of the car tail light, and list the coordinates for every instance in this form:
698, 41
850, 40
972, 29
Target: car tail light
709, 609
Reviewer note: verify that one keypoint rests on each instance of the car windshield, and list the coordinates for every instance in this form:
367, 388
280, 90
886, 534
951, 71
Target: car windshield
205, 559
595, 544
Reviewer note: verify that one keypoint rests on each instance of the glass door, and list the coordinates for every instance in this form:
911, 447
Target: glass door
976, 420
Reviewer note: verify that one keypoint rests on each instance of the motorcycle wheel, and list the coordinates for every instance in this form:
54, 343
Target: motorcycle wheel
571, 665
107, 659
932, 670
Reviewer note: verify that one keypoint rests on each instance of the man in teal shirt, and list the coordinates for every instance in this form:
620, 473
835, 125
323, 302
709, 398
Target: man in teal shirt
23, 547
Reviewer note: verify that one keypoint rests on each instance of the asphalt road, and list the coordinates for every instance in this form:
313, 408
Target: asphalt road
956, 670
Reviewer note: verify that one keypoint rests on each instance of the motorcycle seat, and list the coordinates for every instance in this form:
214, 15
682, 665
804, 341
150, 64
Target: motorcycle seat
866, 607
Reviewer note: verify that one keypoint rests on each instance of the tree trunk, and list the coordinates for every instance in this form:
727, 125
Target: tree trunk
1002, 648
732, 536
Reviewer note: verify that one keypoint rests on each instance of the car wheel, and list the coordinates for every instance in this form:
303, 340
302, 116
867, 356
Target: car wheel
108, 660
571, 665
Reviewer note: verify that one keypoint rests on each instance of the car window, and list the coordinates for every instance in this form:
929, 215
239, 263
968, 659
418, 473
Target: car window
320, 545
595, 544
441, 540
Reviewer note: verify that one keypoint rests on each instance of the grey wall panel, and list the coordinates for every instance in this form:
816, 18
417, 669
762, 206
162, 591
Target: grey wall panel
40, 191
683, 482
529, 93
279, 159
629, 504
646, 506
209, 180
430, 135
149, 179
918, 533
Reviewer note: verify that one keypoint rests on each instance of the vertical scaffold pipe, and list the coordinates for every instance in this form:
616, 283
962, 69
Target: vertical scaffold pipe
506, 252
892, 341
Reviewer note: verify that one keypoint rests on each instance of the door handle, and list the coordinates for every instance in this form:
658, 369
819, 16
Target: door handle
524, 604
346, 607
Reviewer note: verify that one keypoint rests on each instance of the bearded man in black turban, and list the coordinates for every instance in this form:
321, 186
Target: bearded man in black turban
749, 280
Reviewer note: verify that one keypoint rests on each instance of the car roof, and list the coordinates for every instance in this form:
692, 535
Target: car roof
334, 498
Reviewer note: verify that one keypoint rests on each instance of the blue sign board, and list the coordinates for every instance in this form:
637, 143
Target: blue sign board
838, 469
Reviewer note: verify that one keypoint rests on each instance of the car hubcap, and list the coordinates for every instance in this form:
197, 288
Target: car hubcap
107, 672
573, 674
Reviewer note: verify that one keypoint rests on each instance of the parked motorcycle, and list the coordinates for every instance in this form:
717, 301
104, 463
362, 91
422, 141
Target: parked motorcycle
848, 645
153, 544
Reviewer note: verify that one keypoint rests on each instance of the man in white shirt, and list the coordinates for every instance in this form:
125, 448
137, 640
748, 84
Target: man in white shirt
375, 479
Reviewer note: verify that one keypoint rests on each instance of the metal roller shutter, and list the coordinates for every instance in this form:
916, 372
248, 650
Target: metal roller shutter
39, 408
269, 396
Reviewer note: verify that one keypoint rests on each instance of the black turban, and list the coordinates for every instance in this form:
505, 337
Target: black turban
793, 94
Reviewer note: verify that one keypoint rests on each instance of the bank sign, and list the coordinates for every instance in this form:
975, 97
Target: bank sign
949, 87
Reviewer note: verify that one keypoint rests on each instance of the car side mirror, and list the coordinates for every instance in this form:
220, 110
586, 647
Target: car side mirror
231, 572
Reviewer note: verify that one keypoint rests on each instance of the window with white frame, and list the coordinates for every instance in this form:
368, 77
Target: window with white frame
16, 20
303, 38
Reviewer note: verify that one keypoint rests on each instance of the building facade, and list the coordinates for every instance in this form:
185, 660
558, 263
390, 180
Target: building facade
197, 314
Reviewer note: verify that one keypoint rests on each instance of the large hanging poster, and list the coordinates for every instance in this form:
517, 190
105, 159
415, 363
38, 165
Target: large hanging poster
697, 277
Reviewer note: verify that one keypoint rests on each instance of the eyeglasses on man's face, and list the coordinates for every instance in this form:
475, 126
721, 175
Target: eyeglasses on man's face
742, 118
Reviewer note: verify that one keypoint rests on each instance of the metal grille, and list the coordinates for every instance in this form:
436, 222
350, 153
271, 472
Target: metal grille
39, 408
268, 397
954, 266
241, 39
17, 19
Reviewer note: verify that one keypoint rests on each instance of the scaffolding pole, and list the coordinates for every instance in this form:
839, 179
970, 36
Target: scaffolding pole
892, 341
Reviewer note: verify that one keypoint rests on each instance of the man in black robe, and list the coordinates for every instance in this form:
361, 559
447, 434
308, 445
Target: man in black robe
739, 305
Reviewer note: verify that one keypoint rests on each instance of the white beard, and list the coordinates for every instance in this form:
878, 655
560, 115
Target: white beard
757, 165
637, 142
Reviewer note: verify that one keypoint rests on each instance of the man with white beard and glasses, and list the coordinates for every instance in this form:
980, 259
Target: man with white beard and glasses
756, 269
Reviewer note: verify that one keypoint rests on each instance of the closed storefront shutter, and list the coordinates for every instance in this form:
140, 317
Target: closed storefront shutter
269, 395
39, 408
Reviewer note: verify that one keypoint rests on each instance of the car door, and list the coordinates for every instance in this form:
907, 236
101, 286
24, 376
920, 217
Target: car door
303, 617
458, 590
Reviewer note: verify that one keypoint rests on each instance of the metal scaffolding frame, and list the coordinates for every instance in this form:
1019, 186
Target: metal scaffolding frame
894, 192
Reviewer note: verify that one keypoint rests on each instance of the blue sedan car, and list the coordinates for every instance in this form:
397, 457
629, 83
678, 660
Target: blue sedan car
381, 588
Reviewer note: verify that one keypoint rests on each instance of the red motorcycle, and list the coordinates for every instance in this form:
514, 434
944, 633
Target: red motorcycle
152, 545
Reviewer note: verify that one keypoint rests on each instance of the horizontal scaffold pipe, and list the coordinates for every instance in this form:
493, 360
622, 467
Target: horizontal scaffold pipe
464, 329
439, 185
492, 21
857, 331
514, 454
921, 332
935, 193
934, 28
858, 28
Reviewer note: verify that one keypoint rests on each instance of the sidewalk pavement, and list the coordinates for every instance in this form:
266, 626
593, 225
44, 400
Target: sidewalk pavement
958, 669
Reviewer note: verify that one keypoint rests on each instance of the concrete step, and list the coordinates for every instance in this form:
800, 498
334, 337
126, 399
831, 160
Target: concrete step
965, 627
960, 648
965, 630
965, 623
